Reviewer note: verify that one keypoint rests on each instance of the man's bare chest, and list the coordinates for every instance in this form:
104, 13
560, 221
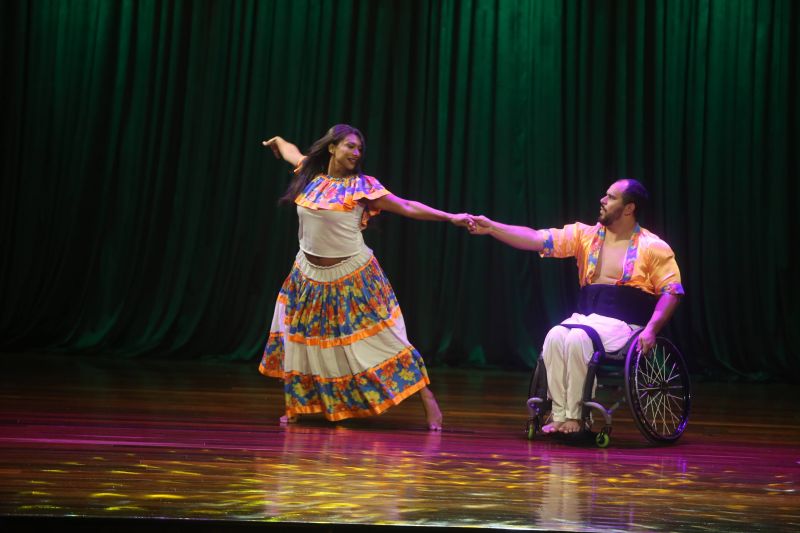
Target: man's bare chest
611, 262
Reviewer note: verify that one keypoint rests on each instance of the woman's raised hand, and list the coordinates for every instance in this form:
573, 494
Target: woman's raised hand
274, 145
283, 149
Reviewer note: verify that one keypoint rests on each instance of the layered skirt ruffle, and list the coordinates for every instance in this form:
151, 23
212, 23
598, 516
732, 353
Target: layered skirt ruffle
339, 343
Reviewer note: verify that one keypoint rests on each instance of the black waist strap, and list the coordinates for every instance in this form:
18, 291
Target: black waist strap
628, 304
597, 344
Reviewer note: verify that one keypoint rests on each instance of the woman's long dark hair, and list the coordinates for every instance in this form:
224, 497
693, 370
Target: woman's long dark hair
316, 161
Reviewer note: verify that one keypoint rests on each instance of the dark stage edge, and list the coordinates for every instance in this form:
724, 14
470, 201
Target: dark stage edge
162, 525
10, 524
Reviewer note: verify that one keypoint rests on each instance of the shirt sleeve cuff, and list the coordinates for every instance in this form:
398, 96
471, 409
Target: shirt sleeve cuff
547, 251
675, 289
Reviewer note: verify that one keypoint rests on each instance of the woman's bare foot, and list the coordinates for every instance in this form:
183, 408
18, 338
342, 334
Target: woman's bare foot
432, 413
285, 419
570, 426
552, 427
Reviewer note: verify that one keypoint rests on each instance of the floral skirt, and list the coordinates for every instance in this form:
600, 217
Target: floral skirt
339, 342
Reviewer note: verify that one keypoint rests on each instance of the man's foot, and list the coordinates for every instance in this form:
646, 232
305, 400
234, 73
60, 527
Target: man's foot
570, 426
552, 427
433, 415
288, 419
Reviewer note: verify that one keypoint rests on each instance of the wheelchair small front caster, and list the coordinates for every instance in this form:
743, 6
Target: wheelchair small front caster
532, 428
602, 439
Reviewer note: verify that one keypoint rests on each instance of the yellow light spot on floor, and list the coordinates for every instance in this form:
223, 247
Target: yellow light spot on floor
32, 507
480, 506
340, 505
185, 473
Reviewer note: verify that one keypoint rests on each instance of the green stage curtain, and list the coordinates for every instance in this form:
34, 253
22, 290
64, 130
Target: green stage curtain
138, 210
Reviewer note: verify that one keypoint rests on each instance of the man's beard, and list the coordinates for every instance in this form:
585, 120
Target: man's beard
607, 218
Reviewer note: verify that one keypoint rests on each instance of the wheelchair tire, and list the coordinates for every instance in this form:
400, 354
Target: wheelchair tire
658, 391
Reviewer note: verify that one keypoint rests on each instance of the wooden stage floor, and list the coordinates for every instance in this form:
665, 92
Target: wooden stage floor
143, 444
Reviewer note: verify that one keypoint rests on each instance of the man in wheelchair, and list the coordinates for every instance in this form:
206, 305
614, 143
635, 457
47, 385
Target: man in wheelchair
628, 276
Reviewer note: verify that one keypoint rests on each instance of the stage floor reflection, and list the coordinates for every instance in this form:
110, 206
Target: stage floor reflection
95, 437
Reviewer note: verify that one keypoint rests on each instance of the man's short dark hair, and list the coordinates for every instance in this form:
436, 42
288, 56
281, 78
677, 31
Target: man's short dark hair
635, 193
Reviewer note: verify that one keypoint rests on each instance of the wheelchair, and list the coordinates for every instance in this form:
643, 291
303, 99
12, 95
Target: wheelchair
656, 387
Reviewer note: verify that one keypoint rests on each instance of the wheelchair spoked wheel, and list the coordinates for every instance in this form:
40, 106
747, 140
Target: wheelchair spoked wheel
658, 391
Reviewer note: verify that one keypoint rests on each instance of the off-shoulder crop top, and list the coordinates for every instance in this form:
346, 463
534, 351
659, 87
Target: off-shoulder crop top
331, 215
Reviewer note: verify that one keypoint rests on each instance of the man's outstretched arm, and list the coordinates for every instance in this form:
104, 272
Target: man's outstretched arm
521, 237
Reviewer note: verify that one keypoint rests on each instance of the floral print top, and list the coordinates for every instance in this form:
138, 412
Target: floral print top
649, 262
342, 194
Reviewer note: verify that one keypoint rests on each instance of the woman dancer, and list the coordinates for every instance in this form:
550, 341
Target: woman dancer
337, 338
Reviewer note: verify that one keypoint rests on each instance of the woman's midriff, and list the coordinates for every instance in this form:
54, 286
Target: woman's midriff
324, 261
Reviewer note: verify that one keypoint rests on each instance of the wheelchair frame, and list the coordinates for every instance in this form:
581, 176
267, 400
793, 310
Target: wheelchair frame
656, 384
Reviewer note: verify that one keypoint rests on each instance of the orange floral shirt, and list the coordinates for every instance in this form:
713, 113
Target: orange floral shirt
649, 262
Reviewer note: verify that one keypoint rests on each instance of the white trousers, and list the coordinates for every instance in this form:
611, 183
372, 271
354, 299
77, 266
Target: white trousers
566, 356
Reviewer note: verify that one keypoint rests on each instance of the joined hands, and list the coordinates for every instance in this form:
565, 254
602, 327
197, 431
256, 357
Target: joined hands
465, 220
477, 224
